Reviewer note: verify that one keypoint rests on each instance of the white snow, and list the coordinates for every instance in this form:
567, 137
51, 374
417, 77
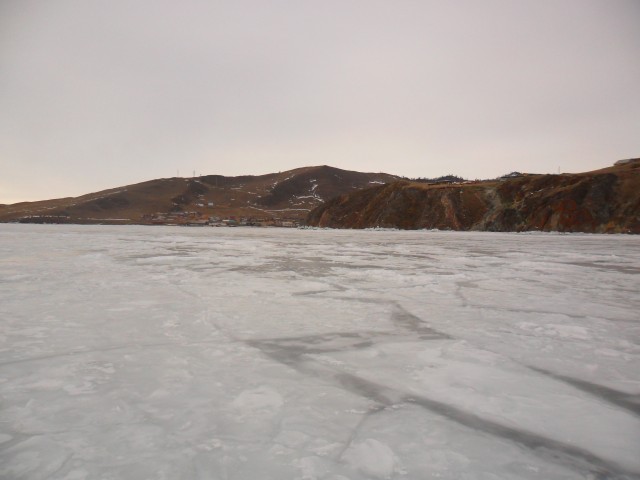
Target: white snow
160, 352
371, 457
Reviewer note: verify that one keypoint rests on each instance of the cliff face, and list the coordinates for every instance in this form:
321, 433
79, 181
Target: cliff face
604, 201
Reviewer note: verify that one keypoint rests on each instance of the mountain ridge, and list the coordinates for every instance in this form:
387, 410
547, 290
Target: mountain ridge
602, 201
287, 195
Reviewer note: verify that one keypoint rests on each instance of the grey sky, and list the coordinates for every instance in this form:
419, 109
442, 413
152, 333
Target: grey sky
98, 94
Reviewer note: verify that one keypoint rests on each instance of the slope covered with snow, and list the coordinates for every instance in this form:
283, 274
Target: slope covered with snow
139, 352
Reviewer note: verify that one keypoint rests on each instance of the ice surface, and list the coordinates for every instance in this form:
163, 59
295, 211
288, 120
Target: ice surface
177, 353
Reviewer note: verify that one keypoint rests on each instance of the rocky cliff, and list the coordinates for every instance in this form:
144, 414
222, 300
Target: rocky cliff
603, 201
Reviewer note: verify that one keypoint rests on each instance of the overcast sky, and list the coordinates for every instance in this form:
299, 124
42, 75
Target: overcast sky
99, 94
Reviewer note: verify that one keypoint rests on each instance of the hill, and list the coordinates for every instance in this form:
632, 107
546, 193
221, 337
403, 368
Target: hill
602, 201
285, 196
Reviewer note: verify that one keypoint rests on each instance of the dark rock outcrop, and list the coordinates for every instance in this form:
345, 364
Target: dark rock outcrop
605, 201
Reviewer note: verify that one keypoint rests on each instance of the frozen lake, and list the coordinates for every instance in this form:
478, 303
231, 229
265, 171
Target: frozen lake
200, 353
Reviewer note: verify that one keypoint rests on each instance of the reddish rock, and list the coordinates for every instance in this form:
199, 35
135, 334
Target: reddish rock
604, 201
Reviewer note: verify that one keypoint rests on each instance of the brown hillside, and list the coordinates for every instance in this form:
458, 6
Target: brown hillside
291, 194
606, 200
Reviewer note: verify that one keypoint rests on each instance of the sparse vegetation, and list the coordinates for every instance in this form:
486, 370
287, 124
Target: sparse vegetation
438, 180
605, 201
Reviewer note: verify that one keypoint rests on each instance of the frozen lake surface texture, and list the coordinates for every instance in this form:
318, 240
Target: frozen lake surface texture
253, 354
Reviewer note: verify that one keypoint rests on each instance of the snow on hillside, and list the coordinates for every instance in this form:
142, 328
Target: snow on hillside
166, 352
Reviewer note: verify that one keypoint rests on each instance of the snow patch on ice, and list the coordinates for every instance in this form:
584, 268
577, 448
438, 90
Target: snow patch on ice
261, 398
372, 458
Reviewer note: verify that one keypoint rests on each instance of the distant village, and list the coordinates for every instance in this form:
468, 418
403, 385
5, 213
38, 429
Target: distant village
199, 219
